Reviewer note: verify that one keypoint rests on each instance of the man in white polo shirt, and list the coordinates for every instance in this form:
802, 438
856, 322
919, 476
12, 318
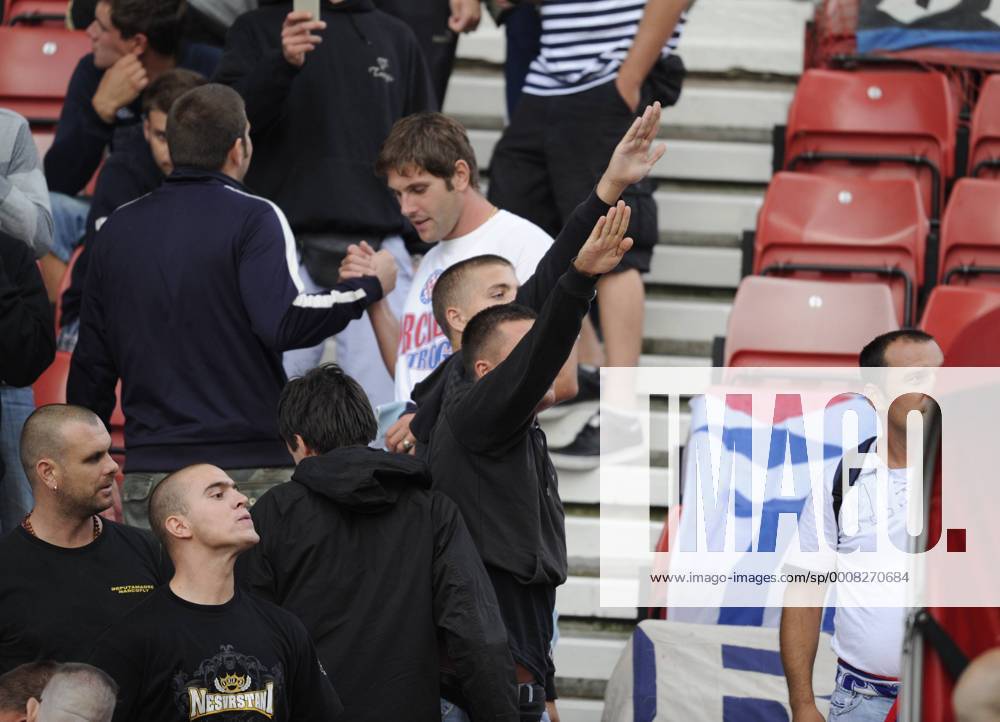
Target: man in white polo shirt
867, 639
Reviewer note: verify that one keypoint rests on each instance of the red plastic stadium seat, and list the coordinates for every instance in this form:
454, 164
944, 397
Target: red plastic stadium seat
825, 228
35, 67
984, 142
951, 309
787, 322
970, 235
35, 12
875, 124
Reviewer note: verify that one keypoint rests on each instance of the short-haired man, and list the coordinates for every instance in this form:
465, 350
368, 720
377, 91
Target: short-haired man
137, 166
429, 163
868, 641
200, 645
322, 94
21, 684
351, 520
134, 42
487, 452
192, 295
75, 692
68, 573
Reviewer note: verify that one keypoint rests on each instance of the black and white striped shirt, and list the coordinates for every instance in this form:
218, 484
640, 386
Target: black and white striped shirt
584, 43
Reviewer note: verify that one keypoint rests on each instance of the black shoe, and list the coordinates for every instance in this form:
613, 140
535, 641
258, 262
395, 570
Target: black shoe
584, 452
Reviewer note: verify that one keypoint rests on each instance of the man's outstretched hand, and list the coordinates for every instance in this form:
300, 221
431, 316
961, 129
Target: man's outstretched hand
363, 260
607, 243
634, 157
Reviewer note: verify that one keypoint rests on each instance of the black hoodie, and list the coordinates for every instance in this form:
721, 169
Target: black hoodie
318, 130
377, 566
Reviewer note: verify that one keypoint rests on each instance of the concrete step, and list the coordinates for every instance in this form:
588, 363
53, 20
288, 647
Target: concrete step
667, 361
695, 266
587, 657
580, 710
476, 95
712, 210
581, 597
583, 536
584, 487
756, 36
685, 318
699, 160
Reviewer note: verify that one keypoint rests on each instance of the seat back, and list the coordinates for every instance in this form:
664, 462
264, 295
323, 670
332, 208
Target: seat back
874, 115
788, 322
818, 222
35, 67
970, 234
951, 309
984, 140
50, 13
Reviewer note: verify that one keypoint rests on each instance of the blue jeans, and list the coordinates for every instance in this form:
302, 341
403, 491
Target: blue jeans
452, 713
69, 219
856, 707
16, 499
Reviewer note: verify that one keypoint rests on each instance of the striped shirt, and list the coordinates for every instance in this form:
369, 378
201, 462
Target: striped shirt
584, 43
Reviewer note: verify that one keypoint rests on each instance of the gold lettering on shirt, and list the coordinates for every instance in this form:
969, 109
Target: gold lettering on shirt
132, 589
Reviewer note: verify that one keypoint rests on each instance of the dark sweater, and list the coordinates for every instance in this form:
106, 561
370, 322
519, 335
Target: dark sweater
378, 567
27, 337
127, 174
191, 296
318, 129
81, 135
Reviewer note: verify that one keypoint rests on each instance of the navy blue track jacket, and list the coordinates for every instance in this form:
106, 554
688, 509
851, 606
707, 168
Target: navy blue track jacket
193, 293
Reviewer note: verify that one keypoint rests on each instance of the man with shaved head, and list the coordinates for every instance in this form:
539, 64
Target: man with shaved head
199, 645
76, 692
68, 573
21, 684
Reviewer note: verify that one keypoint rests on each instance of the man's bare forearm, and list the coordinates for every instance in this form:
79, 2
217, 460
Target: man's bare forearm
658, 22
386, 327
800, 628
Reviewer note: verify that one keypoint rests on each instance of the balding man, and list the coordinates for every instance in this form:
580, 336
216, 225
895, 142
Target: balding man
76, 692
21, 684
68, 573
198, 645
977, 694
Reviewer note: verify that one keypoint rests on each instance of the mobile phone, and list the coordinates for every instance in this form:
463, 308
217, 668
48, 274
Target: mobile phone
310, 6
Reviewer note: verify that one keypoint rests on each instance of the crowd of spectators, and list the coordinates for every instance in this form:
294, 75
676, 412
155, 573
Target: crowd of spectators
379, 538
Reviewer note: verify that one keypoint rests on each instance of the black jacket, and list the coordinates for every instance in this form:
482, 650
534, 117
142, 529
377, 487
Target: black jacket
191, 297
429, 393
27, 335
488, 453
378, 566
318, 129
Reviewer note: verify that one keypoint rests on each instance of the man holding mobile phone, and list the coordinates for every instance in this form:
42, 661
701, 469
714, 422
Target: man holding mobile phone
322, 92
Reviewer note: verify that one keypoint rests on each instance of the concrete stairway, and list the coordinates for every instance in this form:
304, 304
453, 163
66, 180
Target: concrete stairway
743, 57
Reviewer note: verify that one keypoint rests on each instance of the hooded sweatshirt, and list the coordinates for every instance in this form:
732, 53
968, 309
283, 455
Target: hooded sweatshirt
318, 129
378, 567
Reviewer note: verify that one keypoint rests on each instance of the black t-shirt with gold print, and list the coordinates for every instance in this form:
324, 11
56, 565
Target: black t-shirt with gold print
243, 661
55, 602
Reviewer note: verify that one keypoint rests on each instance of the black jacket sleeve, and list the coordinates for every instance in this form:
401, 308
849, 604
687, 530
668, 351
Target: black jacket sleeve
27, 331
421, 97
93, 372
466, 610
258, 71
501, 405
562, 252
81, 135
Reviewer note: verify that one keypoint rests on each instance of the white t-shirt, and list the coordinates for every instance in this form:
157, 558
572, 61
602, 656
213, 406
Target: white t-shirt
422, 344
867, 637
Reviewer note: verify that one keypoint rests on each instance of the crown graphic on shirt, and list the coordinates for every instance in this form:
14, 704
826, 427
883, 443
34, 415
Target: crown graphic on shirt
232, 683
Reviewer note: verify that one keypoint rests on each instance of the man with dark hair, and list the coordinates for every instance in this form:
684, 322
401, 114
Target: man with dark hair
135, 42
136, 167
377, 566
21, 684
429, 163
322, 94
200, 645
75, 692
27, 347
867, 641
487, 452
68, 573
197, 265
